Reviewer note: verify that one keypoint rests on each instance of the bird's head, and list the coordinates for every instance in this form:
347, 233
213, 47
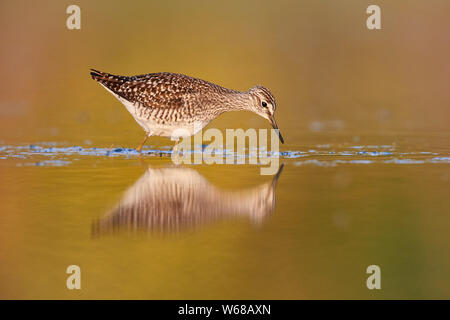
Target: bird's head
263, 103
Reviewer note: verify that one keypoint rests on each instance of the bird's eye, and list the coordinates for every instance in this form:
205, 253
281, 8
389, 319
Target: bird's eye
264, 104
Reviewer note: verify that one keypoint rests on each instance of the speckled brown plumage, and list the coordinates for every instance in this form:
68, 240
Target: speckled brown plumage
164, 102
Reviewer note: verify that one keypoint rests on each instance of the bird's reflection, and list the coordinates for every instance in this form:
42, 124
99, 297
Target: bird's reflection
175, 199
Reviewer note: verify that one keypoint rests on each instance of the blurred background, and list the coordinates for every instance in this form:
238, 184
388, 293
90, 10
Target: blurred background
336, 84
326, 69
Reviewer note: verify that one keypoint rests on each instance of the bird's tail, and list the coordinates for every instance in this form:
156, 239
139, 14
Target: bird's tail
97, 75
108, 80
103, 76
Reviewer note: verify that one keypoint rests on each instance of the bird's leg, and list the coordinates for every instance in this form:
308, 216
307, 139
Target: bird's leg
139, 148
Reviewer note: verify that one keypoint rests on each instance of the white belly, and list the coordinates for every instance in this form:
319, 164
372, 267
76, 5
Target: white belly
174, 130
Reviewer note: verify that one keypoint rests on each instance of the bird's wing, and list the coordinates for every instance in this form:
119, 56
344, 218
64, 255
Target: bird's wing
157, 90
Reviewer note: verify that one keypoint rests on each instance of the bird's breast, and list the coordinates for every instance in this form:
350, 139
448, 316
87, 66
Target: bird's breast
169, 122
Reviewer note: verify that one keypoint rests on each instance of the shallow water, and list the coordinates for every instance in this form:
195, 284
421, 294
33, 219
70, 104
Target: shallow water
142, 227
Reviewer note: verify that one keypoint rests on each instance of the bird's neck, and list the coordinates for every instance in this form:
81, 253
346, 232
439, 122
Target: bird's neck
234, 101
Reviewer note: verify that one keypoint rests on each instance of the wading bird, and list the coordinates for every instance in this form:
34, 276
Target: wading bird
164, 102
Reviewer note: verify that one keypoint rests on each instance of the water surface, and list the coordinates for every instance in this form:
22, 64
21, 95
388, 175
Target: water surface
142, 227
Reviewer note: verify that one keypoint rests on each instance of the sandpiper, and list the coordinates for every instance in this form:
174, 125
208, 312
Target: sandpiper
164, 102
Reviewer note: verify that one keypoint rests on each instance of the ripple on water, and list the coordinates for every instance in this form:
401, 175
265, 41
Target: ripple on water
46, 163
322, 155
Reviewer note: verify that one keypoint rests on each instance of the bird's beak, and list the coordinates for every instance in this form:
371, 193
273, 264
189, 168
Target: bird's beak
274, 125
277, 176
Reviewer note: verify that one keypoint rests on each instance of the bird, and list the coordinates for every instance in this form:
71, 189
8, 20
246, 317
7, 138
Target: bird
174, 199
169, 104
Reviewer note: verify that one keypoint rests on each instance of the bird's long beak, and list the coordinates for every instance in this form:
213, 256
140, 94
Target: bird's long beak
274, 125
277, 176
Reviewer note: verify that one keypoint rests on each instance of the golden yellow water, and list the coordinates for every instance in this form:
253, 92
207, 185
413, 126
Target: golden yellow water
366, 161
